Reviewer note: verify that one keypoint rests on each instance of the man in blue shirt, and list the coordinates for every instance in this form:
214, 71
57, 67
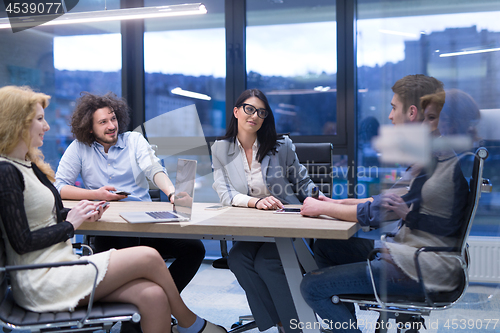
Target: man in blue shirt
109, 159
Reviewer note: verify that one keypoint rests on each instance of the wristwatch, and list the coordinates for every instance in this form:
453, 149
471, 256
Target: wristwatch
170, 195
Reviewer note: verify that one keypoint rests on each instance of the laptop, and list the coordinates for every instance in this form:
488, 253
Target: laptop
183, 198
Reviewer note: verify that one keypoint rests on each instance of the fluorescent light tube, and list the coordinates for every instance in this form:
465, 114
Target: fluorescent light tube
453, 54
186, 93
104, 15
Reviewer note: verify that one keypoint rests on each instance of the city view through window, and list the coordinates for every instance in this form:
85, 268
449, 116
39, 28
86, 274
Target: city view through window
294, 63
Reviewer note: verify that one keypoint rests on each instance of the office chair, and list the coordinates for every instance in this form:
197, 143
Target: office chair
154, 191
318, 160
408, 310
94, 316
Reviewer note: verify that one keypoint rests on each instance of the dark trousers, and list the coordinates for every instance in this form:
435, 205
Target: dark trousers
188, 253
259, 271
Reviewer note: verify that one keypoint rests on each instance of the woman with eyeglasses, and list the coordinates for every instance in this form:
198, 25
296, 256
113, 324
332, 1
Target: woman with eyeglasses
256, 168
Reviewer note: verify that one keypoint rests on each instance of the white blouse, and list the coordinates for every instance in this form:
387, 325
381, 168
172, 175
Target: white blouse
257, 188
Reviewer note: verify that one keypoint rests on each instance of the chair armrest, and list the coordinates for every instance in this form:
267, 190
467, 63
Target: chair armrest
48, 265
61, 264
375, 251
82, 246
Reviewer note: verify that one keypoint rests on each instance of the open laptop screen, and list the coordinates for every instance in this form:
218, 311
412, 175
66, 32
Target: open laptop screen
184, 187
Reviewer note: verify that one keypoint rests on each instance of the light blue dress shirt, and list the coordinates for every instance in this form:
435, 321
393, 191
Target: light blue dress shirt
127, 166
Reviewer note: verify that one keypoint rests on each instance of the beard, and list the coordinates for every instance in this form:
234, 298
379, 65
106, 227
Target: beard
106, 139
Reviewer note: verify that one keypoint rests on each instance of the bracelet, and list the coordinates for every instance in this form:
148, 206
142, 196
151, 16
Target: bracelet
170, 195
256, 202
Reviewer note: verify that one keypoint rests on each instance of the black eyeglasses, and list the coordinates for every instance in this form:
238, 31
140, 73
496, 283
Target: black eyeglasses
250, 109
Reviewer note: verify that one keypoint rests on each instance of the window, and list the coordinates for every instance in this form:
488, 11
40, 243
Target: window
291, 56
185, 65
63, 61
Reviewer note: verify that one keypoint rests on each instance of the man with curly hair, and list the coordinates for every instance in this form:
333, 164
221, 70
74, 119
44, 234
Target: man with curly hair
109, 158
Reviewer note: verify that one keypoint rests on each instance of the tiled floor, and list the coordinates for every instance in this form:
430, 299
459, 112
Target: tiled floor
215, 295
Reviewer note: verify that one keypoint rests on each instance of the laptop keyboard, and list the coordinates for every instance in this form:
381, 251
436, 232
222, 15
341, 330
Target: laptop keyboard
162, 215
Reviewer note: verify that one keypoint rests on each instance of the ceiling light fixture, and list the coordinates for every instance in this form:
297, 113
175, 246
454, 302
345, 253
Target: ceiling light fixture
321, 88
104, 15
453, 54
190, 94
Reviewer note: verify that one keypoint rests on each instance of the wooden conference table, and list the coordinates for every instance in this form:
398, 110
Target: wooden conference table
232, 223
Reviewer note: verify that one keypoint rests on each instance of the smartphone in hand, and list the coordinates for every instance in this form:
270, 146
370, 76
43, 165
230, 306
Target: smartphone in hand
287, 210
99, 207
104, 205
121, 192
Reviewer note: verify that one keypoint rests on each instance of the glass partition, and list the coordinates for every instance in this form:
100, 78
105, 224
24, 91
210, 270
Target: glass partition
459, 44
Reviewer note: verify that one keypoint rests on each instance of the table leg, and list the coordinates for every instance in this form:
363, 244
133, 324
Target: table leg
304, 254
307, 318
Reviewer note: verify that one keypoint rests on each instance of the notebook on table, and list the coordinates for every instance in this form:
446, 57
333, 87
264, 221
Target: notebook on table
183, 198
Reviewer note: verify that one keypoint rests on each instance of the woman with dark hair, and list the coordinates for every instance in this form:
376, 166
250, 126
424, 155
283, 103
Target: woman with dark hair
256, 168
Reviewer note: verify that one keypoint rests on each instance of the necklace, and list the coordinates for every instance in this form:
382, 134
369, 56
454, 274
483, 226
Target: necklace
18, 161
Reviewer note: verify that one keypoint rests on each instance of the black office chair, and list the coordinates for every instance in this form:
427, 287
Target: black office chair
154, 191
318, 159
95, 316
407, 310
